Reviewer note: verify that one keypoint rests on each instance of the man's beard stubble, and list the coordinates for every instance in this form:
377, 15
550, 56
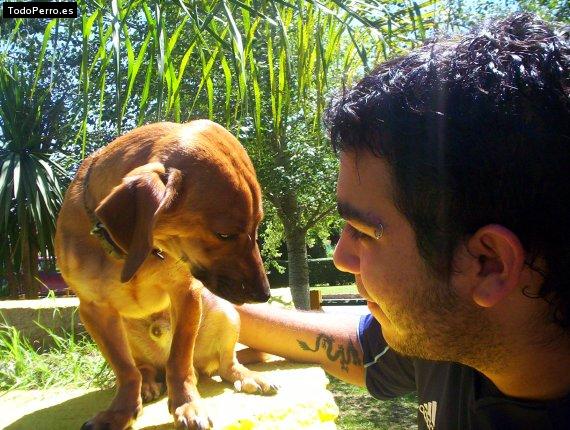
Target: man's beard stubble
434, 323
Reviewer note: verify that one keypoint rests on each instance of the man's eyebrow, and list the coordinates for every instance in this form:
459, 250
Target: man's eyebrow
348, 212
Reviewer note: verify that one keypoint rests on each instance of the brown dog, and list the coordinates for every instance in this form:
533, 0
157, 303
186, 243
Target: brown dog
146, 222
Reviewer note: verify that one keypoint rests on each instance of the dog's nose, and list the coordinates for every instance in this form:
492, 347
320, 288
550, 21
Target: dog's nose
261, 296
240, 292
260, 289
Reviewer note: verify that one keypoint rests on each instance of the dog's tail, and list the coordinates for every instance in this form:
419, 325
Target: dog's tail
250, 356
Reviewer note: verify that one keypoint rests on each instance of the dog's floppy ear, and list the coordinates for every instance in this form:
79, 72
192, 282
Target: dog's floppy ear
130, 211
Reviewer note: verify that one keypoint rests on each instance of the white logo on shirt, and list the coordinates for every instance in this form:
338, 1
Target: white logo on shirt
428, 410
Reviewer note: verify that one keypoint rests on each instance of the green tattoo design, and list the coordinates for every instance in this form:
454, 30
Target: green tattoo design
348, 356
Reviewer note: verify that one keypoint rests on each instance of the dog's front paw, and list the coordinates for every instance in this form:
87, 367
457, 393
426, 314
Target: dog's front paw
192, 416
113, 419
254, 383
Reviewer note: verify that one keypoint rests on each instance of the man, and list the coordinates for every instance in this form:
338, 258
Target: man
455, 186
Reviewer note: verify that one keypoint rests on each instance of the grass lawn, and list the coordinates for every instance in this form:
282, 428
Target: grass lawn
73, 361
335, 289
360, 411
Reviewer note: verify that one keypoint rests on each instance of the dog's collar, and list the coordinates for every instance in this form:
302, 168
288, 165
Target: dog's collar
110, 246
107, 242
98, 229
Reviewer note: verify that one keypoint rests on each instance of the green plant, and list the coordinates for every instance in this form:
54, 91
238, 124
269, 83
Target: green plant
72, 361
30, 180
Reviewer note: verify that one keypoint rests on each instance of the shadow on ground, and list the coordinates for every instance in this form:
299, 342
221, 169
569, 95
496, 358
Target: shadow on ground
60, 409
72, 413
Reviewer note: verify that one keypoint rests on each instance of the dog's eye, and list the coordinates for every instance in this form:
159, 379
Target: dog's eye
223, 236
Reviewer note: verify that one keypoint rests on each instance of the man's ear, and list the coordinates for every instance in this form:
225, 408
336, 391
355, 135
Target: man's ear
130, 211
498, 259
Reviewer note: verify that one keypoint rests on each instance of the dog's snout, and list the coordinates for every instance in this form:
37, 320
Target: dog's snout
201, 274
261, 296
260, 293
239, 292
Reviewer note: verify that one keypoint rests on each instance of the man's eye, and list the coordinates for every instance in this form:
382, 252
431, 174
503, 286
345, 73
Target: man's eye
355, 234
226, 237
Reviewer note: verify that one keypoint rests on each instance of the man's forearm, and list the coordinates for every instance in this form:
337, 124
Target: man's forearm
312, 337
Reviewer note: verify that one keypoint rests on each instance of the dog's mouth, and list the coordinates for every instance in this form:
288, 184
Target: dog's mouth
232, 290
201, 274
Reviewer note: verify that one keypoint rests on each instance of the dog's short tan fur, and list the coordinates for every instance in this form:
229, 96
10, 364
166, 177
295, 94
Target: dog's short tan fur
189, 190
150, 339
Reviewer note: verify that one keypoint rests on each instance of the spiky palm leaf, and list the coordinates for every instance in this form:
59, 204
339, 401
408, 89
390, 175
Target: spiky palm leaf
30, 185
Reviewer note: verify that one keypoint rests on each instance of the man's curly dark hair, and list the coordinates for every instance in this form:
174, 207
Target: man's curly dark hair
477, 132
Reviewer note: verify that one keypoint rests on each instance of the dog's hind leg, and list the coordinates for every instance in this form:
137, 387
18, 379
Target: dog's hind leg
231, 370
149, 340
153, 385
105, 326
243, 379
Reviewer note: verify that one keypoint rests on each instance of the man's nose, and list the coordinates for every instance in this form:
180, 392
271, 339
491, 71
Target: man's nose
345, 257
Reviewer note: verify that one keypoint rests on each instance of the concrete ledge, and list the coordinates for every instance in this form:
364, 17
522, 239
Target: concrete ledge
33, 317
59, 315
303, 402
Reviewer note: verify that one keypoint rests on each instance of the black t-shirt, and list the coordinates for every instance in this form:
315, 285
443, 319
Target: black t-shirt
450, 395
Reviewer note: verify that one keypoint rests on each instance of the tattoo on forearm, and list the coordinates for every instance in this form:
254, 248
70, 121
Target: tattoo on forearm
346, 356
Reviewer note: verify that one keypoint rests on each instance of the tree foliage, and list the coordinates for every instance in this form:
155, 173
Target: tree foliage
263, 68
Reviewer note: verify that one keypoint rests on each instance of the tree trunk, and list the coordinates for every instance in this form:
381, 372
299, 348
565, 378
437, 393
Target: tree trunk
298, 267
295, 236
34, 268
12, 277
29, 271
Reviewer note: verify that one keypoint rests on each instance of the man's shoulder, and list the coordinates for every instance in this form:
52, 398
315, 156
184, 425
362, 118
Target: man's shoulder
444, 381
452, 395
